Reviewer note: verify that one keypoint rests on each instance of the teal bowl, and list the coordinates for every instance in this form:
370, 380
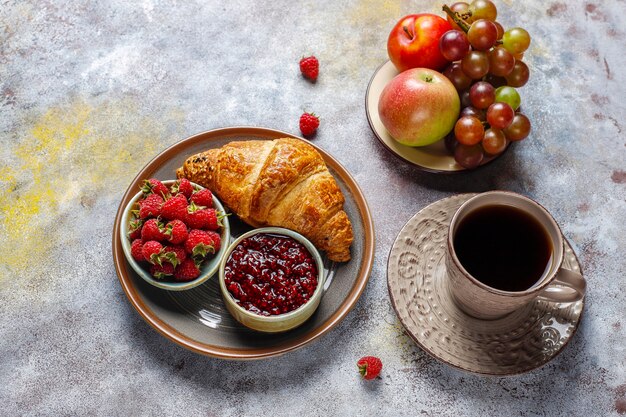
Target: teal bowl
210, 266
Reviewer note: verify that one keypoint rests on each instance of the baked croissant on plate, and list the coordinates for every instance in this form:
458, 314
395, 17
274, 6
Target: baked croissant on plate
281, 182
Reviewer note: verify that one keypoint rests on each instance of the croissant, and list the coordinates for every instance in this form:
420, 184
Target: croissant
281, 182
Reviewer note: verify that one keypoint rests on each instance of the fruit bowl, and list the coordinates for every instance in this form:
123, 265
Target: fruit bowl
279, 322
433, 158
208, 268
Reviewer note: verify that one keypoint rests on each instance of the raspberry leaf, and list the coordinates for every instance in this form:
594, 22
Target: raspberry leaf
193, 207
220, 216
155, 258
161, 275
171, 258
201, 250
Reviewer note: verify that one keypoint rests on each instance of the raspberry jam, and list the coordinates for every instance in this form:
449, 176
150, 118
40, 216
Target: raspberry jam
270, 274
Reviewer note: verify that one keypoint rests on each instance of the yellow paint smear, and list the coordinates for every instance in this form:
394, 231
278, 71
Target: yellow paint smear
67, 156
372, 12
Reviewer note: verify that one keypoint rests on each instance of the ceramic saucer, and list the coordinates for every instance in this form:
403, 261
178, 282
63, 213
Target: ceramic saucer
433, 158
416, 277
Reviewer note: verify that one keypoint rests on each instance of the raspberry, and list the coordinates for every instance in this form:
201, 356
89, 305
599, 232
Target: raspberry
153, 230
155, 186
309, 123
187, 271
204, 219
136, 250
150, 206
152, 251
200, 243
203, 198
175, 208
135, 229
217, 240
163, 271
174, 254
176, 231
310, 67
369, 367
183, 186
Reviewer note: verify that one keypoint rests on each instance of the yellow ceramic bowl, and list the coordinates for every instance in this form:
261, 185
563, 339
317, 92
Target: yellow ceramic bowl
281, 322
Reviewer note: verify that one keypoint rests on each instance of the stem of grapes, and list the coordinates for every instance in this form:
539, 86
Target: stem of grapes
457, 19
460, 22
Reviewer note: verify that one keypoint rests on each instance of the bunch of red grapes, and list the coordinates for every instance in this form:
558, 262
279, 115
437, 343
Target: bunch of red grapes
486, 67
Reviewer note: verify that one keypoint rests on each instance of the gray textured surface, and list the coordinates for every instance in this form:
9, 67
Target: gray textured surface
90, 91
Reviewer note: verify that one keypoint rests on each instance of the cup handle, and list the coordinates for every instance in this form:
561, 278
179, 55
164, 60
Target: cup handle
567, 287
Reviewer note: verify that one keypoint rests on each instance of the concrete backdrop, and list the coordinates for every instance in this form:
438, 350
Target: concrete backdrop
91, 91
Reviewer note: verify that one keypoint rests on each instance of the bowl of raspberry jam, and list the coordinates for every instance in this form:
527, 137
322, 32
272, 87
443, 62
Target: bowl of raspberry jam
272, 279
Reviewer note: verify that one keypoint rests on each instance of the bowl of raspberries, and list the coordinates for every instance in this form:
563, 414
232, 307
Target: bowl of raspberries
176, 233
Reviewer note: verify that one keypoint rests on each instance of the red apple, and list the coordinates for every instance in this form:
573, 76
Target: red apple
414, 42
419, 106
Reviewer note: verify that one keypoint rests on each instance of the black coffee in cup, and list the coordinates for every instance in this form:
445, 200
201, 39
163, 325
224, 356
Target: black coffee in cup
503, 247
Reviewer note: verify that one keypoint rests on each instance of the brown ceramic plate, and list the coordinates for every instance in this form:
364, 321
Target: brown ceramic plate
432, 158
197, 319
416, 277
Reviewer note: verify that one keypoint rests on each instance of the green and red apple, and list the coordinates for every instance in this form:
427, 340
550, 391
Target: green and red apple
419, 106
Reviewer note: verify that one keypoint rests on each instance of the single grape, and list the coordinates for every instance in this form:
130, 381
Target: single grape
475, 64
501, 61
473, 111
518, 129
518, 56
457, 77
482, 95
482, 35
494, 142
468, 130
465, 99
518, 76
461, 8
500, 30
450, 142
508, 95
483, 9
468, 156
454, 45
500, 115
515, 40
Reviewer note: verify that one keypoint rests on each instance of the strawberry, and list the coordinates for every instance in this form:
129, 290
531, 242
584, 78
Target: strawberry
176, 231
163, 271
369, 366
200, 243
208, 219
152, 251
310, 67
136, 250
175, 208
187, 271
174, 254
203, 198
135, 229
309, 123
153, 230
183, 186
155, 186
150, 206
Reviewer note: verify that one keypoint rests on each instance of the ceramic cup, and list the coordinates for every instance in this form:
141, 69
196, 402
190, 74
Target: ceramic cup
482, 301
